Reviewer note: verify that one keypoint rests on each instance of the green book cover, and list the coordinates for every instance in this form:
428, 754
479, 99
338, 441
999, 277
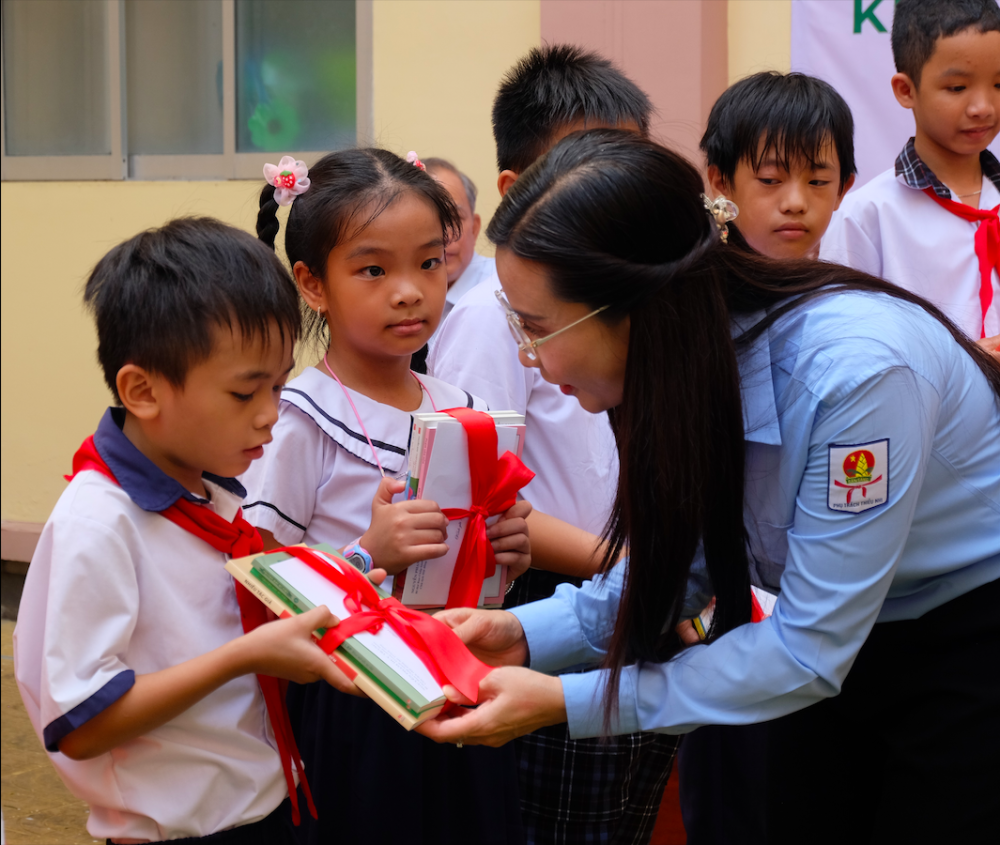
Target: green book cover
377, 669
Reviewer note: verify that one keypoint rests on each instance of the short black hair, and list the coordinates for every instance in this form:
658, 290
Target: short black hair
157, 296
918, 24
794, 114
556, 85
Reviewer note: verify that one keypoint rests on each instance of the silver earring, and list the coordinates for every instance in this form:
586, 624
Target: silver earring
722, 211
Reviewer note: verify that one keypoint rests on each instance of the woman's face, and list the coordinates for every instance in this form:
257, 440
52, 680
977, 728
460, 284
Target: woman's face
586, 361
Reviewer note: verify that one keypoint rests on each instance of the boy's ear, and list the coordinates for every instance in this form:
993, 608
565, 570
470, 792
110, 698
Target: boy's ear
715, 181
847, 186
505, 180
904, 89
137, 391
310, 287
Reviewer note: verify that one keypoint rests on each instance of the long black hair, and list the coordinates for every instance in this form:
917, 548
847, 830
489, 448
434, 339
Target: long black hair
618, 222
348, 190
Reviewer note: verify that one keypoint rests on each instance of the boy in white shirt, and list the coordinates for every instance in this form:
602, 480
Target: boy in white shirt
572, 791
930, 224
129, 651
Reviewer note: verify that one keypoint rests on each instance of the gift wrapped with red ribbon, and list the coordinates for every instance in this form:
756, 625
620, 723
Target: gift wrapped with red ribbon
495, 482
446, 657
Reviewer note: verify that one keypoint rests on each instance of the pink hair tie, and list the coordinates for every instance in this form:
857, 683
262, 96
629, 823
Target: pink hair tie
289, 177
414, 159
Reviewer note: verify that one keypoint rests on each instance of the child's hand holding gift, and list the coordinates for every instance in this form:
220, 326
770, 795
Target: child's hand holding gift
509, 537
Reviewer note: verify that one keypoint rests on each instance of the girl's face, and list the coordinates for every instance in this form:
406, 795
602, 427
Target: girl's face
384, 287
586, 361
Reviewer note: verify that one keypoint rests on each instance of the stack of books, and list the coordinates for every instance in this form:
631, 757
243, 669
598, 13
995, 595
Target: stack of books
439, 470
381, 665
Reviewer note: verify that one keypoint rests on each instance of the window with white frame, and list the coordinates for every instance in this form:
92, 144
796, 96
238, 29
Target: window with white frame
180, 89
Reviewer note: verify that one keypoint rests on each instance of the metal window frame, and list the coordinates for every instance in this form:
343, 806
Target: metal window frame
109, 166
224, 166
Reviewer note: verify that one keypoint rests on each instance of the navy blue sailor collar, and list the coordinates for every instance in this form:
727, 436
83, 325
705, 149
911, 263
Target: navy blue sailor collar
760, 411
321, 399
146, 484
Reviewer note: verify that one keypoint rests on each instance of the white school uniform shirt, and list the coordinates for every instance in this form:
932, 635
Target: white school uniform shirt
846, 374
571, 451
317, 478
890, 228
479, 270
115, 590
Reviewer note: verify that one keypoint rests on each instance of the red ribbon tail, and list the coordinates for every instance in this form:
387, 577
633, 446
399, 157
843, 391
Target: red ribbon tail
467, 579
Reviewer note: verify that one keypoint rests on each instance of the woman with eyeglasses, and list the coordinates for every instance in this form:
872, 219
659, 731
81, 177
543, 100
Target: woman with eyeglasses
794, 425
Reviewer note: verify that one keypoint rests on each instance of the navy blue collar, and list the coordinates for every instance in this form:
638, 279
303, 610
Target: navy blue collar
146, 484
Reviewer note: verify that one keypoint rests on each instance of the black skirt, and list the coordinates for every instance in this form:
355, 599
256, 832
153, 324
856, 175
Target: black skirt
374, 782
908, 751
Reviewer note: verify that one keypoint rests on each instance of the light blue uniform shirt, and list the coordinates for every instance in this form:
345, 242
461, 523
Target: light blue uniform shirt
850, 375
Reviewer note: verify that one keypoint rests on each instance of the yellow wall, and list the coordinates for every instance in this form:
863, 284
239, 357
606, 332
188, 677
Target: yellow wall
436, 67
53, 393
760, 36
437, 100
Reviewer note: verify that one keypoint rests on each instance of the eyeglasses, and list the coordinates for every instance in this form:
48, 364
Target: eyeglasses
525, 343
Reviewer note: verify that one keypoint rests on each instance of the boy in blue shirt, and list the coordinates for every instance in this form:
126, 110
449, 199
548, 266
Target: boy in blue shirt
129, 652
930, 223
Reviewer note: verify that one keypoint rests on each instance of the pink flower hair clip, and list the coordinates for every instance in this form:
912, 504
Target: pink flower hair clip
414, 159
289, 177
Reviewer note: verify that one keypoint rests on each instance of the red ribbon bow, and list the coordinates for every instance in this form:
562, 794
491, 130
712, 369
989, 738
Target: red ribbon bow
438, 647
495, 482
987, 242
238, 539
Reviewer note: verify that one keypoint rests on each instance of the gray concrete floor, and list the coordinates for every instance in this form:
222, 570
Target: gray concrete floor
37, 808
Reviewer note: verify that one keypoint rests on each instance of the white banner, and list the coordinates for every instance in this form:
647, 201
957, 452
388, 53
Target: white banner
846, 43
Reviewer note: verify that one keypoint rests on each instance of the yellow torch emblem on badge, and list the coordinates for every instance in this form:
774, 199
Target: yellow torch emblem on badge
858, 467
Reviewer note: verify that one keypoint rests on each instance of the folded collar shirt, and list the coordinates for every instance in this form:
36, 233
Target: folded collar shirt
890, 228
317, 478
876, 498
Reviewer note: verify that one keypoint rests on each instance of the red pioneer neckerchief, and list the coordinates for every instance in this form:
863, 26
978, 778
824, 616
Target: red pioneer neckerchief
987, 242
495, 482
237, 539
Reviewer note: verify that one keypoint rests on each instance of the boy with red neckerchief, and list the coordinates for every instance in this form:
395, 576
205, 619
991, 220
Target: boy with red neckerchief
130, 652
930, 224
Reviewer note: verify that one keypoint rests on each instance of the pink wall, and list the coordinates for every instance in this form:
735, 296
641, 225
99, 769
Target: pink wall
676, 50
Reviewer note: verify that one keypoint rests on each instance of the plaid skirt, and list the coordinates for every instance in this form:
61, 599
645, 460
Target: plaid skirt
601, 790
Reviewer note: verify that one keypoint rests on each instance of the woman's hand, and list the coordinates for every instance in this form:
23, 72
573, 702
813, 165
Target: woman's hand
494, 636
509, 536
403, 533
513, 701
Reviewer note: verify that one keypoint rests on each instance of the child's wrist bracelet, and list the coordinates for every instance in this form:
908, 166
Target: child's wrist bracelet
359, 558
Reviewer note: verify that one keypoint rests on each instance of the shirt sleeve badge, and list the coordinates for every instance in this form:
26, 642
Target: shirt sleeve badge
858, 476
